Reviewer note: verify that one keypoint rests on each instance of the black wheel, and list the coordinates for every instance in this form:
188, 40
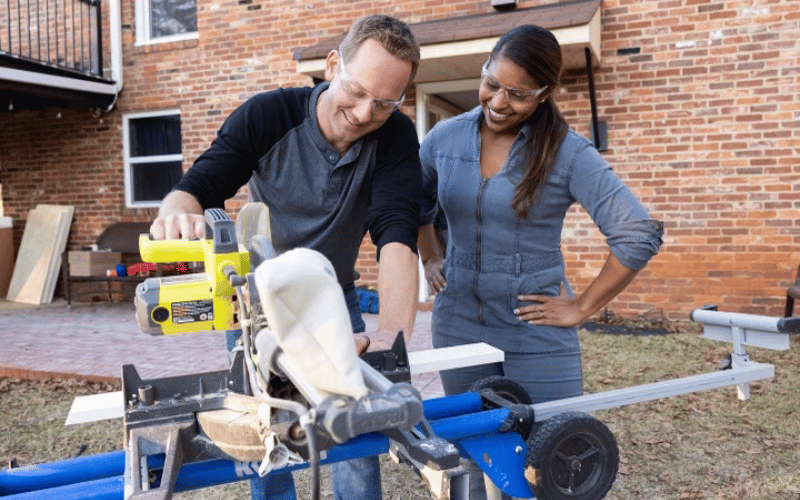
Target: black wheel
572, 456
503, 387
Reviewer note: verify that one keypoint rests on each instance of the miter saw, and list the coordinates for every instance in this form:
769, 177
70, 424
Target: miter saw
295, 387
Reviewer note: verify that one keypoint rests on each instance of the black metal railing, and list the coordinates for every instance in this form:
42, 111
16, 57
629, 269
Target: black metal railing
65, 34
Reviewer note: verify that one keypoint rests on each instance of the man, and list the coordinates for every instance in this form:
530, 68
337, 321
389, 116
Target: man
330, 162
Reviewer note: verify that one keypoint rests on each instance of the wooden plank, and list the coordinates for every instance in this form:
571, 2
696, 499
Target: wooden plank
65, 213
39, 257
33, 259
110, 405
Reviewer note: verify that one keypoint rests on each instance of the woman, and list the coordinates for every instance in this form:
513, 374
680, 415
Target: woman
505, 175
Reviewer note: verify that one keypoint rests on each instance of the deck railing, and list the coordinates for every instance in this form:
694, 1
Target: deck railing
65, 34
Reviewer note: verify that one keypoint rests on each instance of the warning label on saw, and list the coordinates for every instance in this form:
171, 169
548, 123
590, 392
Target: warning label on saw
192, 310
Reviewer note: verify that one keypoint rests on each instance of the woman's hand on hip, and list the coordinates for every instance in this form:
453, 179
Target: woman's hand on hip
563, 310
434, 275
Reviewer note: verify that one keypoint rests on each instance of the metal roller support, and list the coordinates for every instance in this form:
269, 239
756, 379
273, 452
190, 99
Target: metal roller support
758, 331
745, 329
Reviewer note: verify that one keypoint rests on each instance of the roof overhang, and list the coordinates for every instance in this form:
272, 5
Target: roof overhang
456, 48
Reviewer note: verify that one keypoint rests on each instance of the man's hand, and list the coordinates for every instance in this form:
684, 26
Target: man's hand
362, 343
381, 340
178, 226
180, 217
375, 341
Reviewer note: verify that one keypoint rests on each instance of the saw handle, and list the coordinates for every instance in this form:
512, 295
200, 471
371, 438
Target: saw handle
219, 228
162, 251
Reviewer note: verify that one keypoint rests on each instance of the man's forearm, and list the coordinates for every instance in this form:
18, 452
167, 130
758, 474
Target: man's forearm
179, 202
398, 289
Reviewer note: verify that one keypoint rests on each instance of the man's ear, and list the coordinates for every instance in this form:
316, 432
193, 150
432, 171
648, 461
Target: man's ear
332, 64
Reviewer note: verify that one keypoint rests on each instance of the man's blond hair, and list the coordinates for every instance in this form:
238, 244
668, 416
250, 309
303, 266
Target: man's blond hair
393, 34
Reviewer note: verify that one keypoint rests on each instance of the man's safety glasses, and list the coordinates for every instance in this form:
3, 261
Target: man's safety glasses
357, 93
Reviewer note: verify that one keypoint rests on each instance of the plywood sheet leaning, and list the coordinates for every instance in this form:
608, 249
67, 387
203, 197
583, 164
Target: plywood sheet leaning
39, 236
39, 256
65, 213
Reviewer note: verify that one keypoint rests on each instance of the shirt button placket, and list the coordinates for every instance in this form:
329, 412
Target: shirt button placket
333, 185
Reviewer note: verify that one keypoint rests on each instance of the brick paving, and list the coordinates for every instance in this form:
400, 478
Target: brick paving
91, 341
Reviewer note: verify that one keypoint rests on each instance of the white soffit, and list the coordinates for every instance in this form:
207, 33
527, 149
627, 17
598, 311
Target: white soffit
463, 59
44, 79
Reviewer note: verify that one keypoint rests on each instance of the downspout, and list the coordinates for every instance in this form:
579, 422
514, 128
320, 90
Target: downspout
115, 36
592, 98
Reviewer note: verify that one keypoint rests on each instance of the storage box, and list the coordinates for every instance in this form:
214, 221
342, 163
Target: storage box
88, 263
90, 269
94, 257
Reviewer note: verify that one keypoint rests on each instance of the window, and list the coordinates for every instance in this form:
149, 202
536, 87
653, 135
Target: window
439, 100
153, 159
165, 20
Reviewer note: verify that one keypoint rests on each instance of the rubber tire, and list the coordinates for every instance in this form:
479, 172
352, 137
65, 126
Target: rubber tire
557, 445
503, 387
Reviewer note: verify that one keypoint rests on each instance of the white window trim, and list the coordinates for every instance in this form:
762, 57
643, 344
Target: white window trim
143, 35
423, 92
128, 161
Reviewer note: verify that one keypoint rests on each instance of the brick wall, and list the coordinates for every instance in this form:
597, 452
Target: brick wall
65, 157
703, 125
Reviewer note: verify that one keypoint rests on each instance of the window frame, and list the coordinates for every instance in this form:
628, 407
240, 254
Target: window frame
427, 102
143, 27
129, 162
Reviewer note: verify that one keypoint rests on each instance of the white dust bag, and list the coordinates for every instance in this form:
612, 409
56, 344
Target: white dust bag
307, 314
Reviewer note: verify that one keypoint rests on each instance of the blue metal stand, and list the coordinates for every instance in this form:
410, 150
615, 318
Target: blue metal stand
458, 419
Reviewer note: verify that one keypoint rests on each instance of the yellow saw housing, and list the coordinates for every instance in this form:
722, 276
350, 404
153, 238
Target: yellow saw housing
193, 302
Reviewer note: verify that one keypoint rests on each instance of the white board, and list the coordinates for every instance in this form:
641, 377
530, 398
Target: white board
447, 358
96, 407
110, 405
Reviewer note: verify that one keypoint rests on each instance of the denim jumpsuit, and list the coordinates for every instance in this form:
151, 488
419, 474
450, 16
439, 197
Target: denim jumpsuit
493, 255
